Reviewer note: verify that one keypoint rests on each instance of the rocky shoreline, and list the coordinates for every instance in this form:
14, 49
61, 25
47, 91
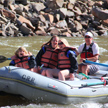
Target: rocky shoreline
68, 18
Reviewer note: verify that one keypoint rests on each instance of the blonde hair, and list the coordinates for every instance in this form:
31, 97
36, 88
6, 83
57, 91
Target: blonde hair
65, 42
21, 49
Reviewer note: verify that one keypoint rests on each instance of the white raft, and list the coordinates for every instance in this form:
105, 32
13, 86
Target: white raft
39, 88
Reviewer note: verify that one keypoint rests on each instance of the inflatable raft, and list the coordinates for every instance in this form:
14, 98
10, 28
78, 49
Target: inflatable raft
42, 89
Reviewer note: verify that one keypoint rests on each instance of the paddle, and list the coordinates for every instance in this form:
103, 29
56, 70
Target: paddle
92, 84
3, 59
84, 75
80, 76
95, 63
103, 82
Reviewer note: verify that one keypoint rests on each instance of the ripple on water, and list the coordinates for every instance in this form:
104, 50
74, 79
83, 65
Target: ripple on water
33, 44
89, 105
83, 105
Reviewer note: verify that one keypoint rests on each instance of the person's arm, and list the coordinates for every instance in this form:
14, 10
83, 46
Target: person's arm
80, 48
73, 60
77, 53
95, 58
39, 56
28, 54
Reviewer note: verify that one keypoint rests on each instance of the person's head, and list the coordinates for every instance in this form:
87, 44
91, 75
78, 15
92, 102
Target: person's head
21, 52
53, 42
63, 43
88, 38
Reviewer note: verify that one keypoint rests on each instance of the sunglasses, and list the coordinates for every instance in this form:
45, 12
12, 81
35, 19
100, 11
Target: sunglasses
87, 37
60, 43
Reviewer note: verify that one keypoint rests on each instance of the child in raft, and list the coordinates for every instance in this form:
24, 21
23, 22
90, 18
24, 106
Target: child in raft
23, 58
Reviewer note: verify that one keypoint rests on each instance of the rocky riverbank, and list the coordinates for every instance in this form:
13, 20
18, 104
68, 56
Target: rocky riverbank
69, 18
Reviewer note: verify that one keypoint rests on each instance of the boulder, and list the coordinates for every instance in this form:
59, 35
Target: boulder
24, 20
70, 14
63, 13
66, 34
78, 25
72, 1
24, 29
54, 4
49, 17
8, 14
37, 6
100, 14
40, 33
70, 6
54, 31
61, 24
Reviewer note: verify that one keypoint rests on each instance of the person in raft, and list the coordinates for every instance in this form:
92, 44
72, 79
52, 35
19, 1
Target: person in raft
67, 63
23, 58
47, 56
88, 51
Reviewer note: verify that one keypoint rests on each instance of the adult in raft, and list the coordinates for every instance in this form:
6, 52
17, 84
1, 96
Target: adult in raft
88, 51
47, 56
67, 63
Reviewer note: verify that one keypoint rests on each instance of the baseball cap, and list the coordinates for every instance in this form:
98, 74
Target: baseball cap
89, 34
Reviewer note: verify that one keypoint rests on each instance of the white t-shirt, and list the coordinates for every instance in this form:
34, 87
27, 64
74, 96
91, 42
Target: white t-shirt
95, 48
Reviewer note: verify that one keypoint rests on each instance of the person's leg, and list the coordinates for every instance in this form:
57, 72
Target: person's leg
40, 71
43, 72
52, 72
63, 74
79, 69
32, 69
72, 76
85, 69
93, 69
35, 69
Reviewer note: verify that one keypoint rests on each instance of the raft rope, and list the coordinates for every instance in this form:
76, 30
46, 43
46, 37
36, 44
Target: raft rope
103, 80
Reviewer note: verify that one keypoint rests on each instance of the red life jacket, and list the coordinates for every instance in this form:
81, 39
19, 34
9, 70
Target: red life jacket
22, 62
87, 53
50, 58
63, 60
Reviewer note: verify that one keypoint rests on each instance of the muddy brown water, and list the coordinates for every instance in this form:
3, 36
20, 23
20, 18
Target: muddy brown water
33, 44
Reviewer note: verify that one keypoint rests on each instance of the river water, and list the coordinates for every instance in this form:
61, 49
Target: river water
9, 45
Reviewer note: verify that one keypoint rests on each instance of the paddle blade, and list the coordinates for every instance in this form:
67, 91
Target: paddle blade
3, 59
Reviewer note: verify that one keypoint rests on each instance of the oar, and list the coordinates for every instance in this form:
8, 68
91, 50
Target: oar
94, 84
90, 77
87, 61
3, 59
84, 75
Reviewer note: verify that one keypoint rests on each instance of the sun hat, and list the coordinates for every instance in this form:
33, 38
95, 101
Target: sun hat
65, 42
89, 34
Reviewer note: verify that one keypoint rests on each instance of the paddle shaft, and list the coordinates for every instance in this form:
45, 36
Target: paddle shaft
84, 75
8, 58
93, 84
95, 63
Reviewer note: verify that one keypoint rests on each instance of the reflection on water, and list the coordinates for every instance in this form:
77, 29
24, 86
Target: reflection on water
9, 45
10, 100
